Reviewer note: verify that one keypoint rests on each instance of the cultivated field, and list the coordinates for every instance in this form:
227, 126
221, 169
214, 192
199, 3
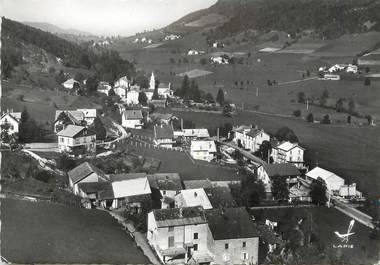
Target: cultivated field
49, 233
324, 223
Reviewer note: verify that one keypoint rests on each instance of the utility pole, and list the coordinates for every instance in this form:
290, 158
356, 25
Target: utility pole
307, 104
257, 91
242, 106
217, 133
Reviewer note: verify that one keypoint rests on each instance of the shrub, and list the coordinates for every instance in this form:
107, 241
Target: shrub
367, 81
297, 113
326, 119
310, 117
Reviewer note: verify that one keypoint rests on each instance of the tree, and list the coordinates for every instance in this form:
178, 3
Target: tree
301, 98
369, 119
92, 84
324, 97
318, 193
79, 77
351, 106
367, 81
349, 119
339, 106
209, 97
326, 119
286, 134
142, 81
310, 117
99, 129
143, 100
297, 113
280, 189
265, 150
220, 97
155, 93
60, 77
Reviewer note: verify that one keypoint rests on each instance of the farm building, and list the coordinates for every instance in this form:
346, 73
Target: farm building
11, 120
76, 140
333, 182
79, 117
163, 135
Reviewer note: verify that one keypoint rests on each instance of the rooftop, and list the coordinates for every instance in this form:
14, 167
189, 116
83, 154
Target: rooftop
129, 176
193, 197
83, 170
287, 146
197, 184
324, 174
74, 115
200, 133
133, 114
282, 170
203, 145
179, 216
220, 197
230, 223
132, 187
165, 181
163, 132
72, 131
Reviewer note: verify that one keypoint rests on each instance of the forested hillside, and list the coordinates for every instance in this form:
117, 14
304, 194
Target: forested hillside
16, 37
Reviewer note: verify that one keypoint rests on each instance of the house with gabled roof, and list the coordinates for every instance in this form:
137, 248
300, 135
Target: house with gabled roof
76, 140
164, 135
203, 149
11, 120
287, 152
332, 181
179, 234
192, 197
234, 236
84, 173
70, 83
268, 172
80, 117
249, 137
132, 119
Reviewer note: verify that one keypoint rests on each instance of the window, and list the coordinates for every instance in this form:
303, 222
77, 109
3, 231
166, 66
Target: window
171, 241
245, 255
171, 228
195, 235
226, 246
164, 192
244, 244
195, 247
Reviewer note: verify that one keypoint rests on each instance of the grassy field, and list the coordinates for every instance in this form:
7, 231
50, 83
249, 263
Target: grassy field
351, 152
48, 233
324, 223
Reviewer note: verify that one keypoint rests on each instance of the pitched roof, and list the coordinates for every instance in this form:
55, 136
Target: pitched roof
282, 170
71, 130
200, 133
74, 115
179, 216
248, 130
164, 132
83, 170
131, 187
196, 184
165, 181
70, 81
129, 176
203, 145
193, 197
94, 187
324, 174
88, 113
133, 114
287, 146
220, 197
267, 234
164, 85
14, 115
230, 223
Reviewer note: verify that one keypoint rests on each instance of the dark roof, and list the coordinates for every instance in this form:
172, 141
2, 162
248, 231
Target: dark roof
165, 181
197, 184
121, 177
106, 193
133, 114
83, 170
230, 223
74, 130
282, 170
163, 132
254, 132
220, 197
267, 234
93, 187
179, 216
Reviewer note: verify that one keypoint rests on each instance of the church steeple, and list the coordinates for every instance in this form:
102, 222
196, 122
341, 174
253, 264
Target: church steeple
152, 83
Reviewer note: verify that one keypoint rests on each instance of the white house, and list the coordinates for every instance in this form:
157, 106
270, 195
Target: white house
121, 92
193, 197
132, 119
163, 135
132, 97
69, 83
12, 120
84, 173
192, 52
89, 115
76, 140
287, 152
333, 182
219, 60
123, 82
104, 87
250, 138
203, 149
179, 234
164, 90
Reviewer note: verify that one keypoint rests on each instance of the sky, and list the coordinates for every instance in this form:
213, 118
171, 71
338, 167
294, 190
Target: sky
102, 17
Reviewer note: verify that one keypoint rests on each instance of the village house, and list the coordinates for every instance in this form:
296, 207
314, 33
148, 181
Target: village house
70, 83
162, 118
192, 52
84, 173
159, 103
89, 115
164, 90
11, 120
130, 191
163, 135
249, 137
179, 234
172, 37
104, 87
168, 185
234, 238
203, 150
79, 117
132, 96
191, 134
332, 181
122, 82
76, 140
191, 198
132, 119
271, 171
287, 152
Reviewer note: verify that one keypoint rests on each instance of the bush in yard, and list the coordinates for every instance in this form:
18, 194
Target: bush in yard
318, 193
326, 119
367, 81
99, 129
66, 163
280, 189
349, 119
286, 134
301, 98
44, 176
297, 113
310, 117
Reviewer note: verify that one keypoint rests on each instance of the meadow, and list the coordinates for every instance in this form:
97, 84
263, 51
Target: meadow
39, 232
